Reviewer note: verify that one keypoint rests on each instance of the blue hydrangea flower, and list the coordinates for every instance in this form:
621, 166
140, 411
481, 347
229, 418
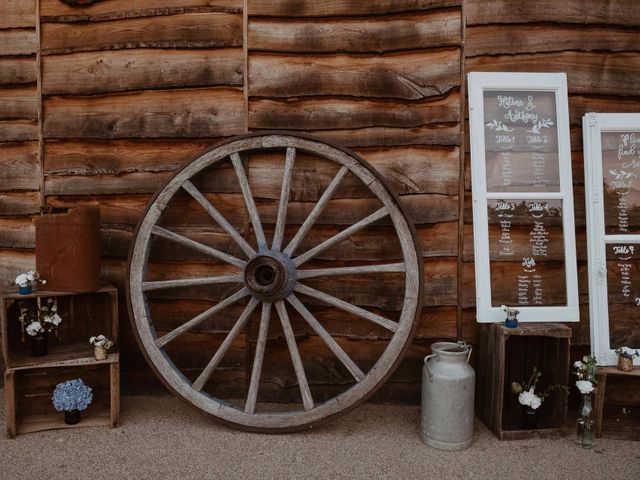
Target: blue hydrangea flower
71, 395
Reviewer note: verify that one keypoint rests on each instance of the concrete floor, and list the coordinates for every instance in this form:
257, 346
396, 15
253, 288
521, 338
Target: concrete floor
161, 438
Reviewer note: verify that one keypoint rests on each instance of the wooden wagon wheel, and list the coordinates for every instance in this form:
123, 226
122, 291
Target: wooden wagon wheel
273, 275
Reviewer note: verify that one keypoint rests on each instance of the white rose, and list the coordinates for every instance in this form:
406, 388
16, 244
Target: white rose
31, 275
536, 401
56, 319
584, 386
578, 364
525, 398
33, 328
91, 340
22, 280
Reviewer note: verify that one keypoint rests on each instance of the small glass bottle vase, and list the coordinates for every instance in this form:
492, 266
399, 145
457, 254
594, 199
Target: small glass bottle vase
585, 423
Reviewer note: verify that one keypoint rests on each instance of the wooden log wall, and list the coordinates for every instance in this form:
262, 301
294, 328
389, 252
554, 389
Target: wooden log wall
129, 90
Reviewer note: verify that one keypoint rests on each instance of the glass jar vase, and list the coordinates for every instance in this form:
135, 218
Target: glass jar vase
585, 423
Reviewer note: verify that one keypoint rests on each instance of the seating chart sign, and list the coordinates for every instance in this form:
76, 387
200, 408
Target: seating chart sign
524, 236
612, 182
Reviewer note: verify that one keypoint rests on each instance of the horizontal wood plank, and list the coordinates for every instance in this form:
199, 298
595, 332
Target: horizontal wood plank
332, 114
57, 11
434, 134
126, 209
18, 130
18, 71
620, 12
77, 157
19, 203
17, 232
174, 113
513, 39
587, 73
312, 8
19, 103
194, 30
408, 76
116, 71
18, 41
18, 14
20, 166
367, 34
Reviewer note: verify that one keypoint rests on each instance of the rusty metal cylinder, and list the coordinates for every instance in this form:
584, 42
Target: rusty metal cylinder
68, 249
448, 393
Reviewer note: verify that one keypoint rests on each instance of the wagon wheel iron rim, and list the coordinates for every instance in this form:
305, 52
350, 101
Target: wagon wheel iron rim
271, 278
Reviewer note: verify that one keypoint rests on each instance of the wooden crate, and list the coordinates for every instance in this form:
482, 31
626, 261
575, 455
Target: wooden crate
28, 392
83, 315
509, 354
621, 422
30, 381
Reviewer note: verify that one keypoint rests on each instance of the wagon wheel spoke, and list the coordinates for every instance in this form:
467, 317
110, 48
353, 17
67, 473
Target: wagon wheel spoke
256, 371
187, 242
328, 339
197, 320
347, 307
284, 199
218, 217
190, 282
315, 213
248, 200
346, 233
330, 272
307, 399
226, 344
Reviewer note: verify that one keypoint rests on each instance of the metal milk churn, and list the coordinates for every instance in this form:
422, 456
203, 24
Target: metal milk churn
448, 387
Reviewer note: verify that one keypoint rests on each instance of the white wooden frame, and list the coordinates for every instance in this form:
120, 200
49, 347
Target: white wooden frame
478, 83
593, 125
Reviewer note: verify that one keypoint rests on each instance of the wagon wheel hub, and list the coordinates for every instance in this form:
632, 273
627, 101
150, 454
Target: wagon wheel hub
270, 276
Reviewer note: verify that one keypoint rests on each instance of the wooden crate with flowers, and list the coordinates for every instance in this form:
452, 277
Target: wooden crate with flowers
50, 339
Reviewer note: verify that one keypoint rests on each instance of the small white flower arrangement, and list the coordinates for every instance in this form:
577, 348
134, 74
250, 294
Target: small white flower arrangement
526, 391
25, 280
101, 341
586, 371
510, 311
41, 319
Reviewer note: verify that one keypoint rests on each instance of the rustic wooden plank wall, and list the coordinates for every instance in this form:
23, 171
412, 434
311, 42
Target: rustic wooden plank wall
130, 90
596, 44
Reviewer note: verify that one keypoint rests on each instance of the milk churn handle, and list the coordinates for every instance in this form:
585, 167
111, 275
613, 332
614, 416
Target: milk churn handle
426, 365
463, 344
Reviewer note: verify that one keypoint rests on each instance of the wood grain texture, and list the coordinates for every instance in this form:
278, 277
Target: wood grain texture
119, 157
516, 39
18, 130
587, 72
18, 14
15, 262
18, 103
366, 34
117, 71
57, 11
313, 8
194, 30
19, 203
17, 71
17, 233
181, 113
408, 76
18, 42
20, 166
331, 114
616, 12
